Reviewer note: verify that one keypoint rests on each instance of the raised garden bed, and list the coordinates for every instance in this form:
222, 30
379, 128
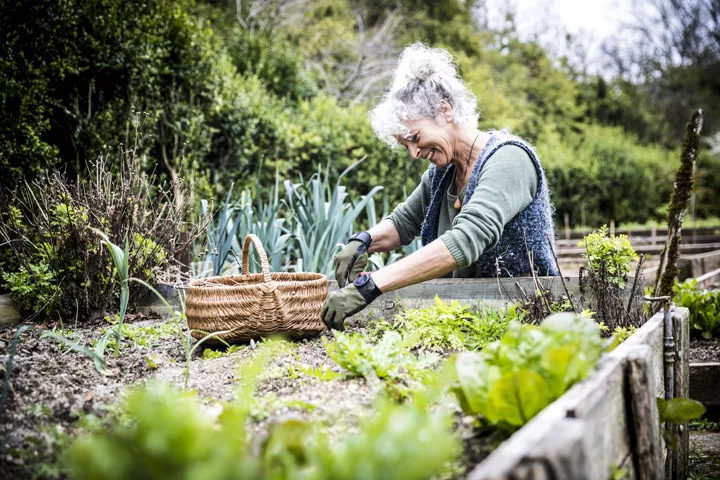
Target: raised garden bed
586, 430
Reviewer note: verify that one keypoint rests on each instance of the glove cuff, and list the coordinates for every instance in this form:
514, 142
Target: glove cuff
367, 288
364, 238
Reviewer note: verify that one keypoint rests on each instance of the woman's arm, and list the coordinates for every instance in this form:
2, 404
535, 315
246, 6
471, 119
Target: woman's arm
385, 237
507, 185
432, 261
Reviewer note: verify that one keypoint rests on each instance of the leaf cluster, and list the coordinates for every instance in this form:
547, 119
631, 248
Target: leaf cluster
704, 306
611, 255
387, 364
163, 432
451, 326
514, 378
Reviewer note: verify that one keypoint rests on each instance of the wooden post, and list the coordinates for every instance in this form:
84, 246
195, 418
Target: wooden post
612, 228
681, 332
184, 253
644, 427
567, 227
8, 313
684, 182
653, 234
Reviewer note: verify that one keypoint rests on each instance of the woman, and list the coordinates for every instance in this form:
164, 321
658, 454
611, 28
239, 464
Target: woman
482, 208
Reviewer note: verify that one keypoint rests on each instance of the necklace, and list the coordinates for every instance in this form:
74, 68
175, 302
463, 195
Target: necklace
458, 202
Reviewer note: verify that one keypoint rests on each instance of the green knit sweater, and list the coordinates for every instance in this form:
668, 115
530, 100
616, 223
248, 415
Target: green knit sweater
507, 184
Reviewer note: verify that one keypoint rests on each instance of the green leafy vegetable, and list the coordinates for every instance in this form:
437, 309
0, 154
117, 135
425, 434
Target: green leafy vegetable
613, 255
704, 307
389, 361
452, 326
514, 378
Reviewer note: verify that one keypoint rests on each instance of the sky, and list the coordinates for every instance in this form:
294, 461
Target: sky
593, 21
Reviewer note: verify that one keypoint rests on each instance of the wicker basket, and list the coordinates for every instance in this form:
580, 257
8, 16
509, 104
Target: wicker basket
256, 305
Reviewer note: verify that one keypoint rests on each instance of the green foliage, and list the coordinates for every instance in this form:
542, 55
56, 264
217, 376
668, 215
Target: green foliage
325, 219
58, 268
452, 326
164, 432
704, 306
514, 378
609, 257
389, 361
676, 412
209, 354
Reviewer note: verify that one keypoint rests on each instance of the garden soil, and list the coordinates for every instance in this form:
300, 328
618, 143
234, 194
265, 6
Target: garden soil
705, 351
52, 388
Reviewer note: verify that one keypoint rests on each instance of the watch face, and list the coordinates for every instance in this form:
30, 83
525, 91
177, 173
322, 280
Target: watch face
361, 280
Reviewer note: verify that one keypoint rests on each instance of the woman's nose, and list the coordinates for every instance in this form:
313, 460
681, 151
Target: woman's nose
414, 151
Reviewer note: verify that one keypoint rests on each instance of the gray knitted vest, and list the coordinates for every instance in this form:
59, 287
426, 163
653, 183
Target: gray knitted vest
527, 232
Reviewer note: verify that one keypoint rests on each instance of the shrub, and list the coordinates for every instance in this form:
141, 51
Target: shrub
609, 256
61, 269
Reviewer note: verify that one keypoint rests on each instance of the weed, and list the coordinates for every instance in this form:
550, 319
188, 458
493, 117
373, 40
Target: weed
388, 365
210, 353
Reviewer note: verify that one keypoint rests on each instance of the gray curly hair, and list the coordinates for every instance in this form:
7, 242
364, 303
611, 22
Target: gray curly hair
423, 78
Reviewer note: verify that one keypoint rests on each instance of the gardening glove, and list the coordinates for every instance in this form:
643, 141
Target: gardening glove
348, 301
352, 259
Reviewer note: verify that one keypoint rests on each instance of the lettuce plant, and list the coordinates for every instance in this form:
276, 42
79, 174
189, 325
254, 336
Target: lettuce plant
704, 307
514, 378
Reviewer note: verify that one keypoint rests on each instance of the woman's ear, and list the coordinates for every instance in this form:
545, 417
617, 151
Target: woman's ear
446, 111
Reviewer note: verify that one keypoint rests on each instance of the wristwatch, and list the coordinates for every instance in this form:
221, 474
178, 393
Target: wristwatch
367, 288
364, 238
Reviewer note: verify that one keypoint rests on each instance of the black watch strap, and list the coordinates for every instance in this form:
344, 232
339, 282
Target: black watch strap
364, 238
367, 288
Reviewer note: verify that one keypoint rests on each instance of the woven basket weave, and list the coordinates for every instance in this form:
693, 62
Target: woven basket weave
250, 306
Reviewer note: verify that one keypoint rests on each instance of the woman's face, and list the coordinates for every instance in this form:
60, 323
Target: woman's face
430, 139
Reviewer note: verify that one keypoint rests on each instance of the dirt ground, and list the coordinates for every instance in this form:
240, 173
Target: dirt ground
51, 387
704, 351
705, 455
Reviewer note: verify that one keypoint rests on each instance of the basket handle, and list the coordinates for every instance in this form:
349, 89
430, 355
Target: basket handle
261, 252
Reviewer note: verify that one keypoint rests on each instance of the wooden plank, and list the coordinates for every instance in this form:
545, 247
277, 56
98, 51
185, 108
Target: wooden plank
644, 428
565, 458
495, 292
707, 279
705, 384
681, 334
9, 315
600, 402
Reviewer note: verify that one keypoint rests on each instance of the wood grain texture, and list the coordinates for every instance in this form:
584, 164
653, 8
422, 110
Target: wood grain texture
681, 334
643, 423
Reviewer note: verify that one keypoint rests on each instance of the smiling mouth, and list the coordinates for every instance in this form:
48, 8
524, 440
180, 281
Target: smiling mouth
430, 154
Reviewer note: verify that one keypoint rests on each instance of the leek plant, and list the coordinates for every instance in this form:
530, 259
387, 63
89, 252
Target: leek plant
220, 232
120, 258
324, 218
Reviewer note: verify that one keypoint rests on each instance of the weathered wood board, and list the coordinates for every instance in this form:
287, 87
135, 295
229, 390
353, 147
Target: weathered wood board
603, 404
495, 292
9, 315
705, 384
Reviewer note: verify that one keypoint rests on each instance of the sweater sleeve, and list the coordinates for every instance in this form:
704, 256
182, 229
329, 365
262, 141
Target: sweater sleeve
408, 216
507, 184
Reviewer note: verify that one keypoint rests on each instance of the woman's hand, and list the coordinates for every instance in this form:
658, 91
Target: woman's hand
350, 262
341, 304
